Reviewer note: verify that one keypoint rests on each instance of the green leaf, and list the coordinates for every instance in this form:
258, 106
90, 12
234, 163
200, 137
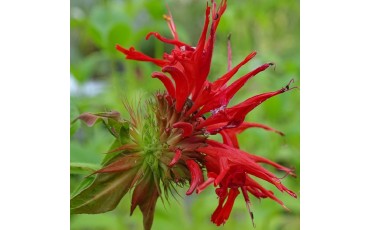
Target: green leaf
84, 184
103, 194
108, 157
119, 129
83, 168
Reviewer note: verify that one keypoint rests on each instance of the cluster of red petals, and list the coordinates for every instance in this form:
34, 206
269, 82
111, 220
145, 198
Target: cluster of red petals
184, 74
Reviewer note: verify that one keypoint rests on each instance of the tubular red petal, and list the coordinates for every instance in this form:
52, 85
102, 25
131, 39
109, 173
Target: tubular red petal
135, 55
224, 214
224, 168
229, 134
218, 210
175, 158
205, 184
185, 126
202, 39
166, 82
235, 115
224, 79
182, 90
166, 40
229, 139
208, 51
225, 95
196, 175
247, 125
233, 88
260, 159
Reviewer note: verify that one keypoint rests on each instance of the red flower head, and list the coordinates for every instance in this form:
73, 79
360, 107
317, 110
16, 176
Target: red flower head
170, 144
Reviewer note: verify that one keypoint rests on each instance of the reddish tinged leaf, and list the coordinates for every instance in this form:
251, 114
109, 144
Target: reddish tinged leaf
122, 164
136, 55
166, 82
175, 158
145, 195
196, 175
90, 119
103, 194
185, 126
124, 147
148, 207
182, 90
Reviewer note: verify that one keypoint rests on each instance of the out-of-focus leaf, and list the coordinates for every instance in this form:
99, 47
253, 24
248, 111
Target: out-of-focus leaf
84, 70
73, 114
119, 34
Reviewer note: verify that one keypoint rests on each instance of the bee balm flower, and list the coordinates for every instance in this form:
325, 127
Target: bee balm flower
167, 143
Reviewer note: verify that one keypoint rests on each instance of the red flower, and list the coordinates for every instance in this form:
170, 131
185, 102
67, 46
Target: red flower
228, 168
172, 142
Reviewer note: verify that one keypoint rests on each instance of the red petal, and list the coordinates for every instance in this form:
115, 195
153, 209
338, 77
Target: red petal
135, 55
166, 82
185, 126
166, 40
196, 175
182, 91
205, 184
224, 168
222, 81
223, 98
224, 214
229, 134
175, 158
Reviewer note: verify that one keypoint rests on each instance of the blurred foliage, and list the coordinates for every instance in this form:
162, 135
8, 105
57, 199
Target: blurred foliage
101, 78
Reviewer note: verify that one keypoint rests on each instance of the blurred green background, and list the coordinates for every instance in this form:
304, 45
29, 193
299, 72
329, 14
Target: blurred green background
101, 78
